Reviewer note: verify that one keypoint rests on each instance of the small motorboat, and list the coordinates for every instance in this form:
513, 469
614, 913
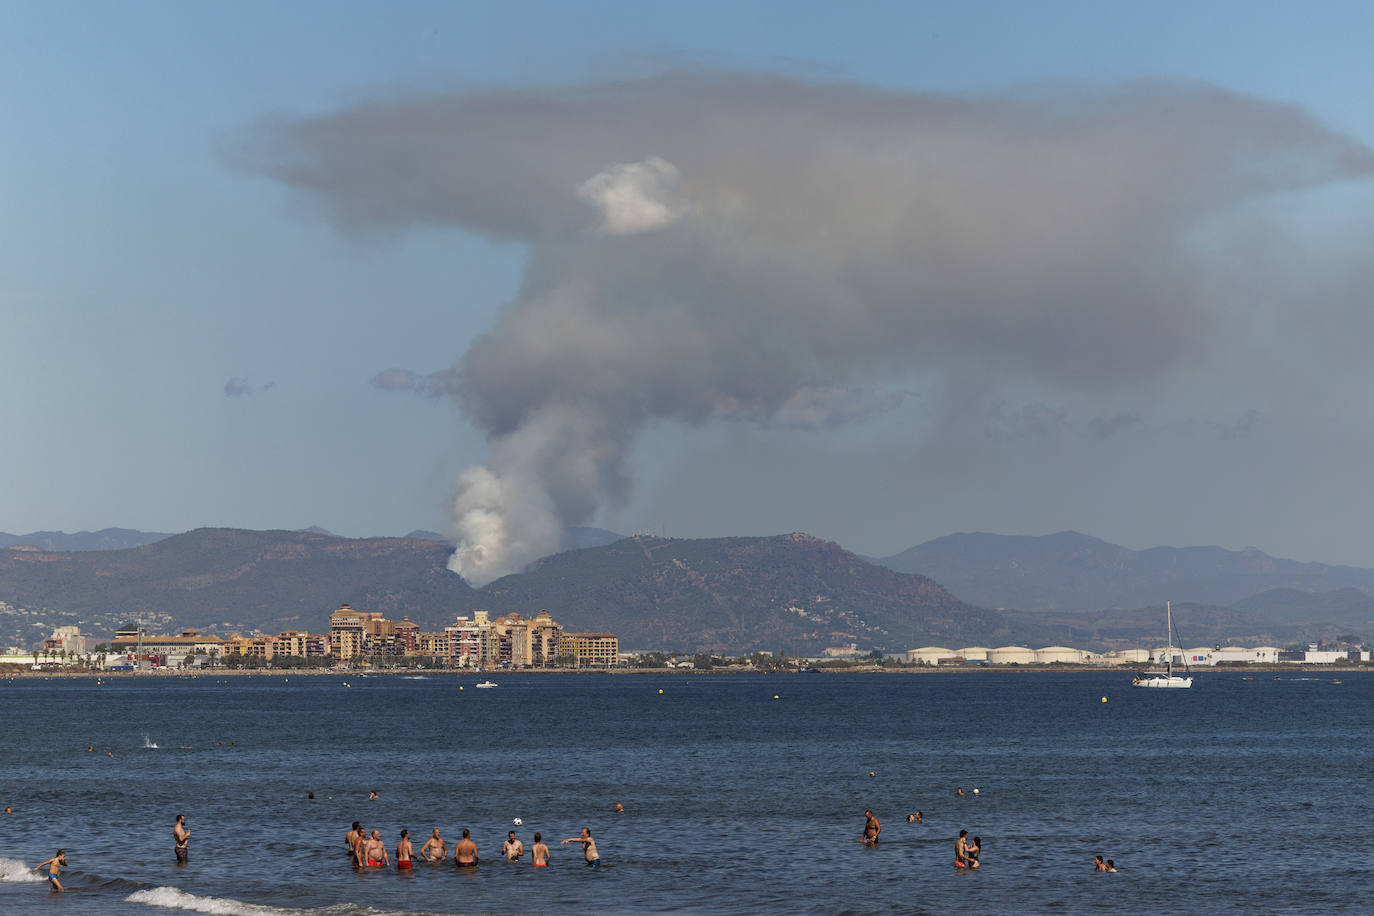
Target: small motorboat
486, 684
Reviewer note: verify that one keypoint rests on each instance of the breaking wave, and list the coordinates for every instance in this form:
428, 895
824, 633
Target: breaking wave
14, 870
173, 898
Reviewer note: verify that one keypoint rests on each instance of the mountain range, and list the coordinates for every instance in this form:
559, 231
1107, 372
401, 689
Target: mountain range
1072, 572
792, 592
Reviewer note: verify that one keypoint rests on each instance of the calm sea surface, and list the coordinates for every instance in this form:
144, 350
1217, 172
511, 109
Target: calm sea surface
1246, 795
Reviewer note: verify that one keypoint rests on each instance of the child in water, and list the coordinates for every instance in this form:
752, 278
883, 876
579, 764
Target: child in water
54, 867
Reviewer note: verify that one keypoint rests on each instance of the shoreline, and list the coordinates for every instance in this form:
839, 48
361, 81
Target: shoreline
436, 673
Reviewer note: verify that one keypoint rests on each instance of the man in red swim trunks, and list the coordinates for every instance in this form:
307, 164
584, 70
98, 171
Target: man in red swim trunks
403, 852
376, 851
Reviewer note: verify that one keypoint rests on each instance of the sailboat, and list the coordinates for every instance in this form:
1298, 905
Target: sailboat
1168, 679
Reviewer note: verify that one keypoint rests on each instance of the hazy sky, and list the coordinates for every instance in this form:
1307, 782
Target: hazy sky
879, 272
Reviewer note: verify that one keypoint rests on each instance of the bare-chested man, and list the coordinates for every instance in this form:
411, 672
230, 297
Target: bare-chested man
871, 829
588, 847
182, 836
435, 849
539, 853
353, 838
961, 857
403, 853
465, 852
512, 849
54, 867
376, 851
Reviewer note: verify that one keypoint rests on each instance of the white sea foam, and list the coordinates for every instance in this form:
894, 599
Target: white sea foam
174, 898
14, 870
147, 743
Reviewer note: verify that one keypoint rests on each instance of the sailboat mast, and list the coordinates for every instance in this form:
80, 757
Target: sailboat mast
1169, 636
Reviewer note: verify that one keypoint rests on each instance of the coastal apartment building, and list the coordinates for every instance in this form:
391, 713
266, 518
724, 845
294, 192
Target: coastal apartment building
366, 637
361, 635
510, 640
592, 650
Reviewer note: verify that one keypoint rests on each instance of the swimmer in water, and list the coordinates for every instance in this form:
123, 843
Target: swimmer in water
465, 852
539, 853
1098, 864
54, 867
974, 847
435, 849
512, 849
871, 829
959, 790
376, 851
619, 808
588, 847
182, 837
403, 852
1111, 866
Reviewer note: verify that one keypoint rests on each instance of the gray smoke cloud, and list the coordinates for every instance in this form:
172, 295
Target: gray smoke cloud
779, 251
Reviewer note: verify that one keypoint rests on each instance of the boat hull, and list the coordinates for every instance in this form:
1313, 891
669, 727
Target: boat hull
1163, 682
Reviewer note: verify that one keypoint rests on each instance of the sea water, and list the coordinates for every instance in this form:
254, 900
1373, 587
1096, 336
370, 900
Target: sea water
742, 793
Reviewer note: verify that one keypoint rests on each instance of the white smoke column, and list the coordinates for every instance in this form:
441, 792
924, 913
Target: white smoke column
633, 197
781, 252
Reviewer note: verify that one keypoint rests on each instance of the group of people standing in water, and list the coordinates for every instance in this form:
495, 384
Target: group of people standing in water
368, 851
966, 851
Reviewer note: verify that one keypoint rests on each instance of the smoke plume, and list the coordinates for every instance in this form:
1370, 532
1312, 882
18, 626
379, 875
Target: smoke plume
782, 252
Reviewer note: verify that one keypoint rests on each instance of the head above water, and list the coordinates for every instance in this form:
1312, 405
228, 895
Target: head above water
404, 834
510, 834
963, 833
465, 833
537, 838
357, 825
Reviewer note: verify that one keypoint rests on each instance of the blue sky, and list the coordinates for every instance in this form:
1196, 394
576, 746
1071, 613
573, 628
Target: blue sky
146, 275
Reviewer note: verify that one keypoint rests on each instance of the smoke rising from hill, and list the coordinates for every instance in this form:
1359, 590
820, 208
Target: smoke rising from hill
727, 246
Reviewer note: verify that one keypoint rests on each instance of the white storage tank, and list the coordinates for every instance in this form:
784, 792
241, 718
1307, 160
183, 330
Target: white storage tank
1061, 655
974, 653
1011, 655
928, 655
1128, 657
1235, 655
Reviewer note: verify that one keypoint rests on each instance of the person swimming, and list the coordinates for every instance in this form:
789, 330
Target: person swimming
1098, 864
54, 867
